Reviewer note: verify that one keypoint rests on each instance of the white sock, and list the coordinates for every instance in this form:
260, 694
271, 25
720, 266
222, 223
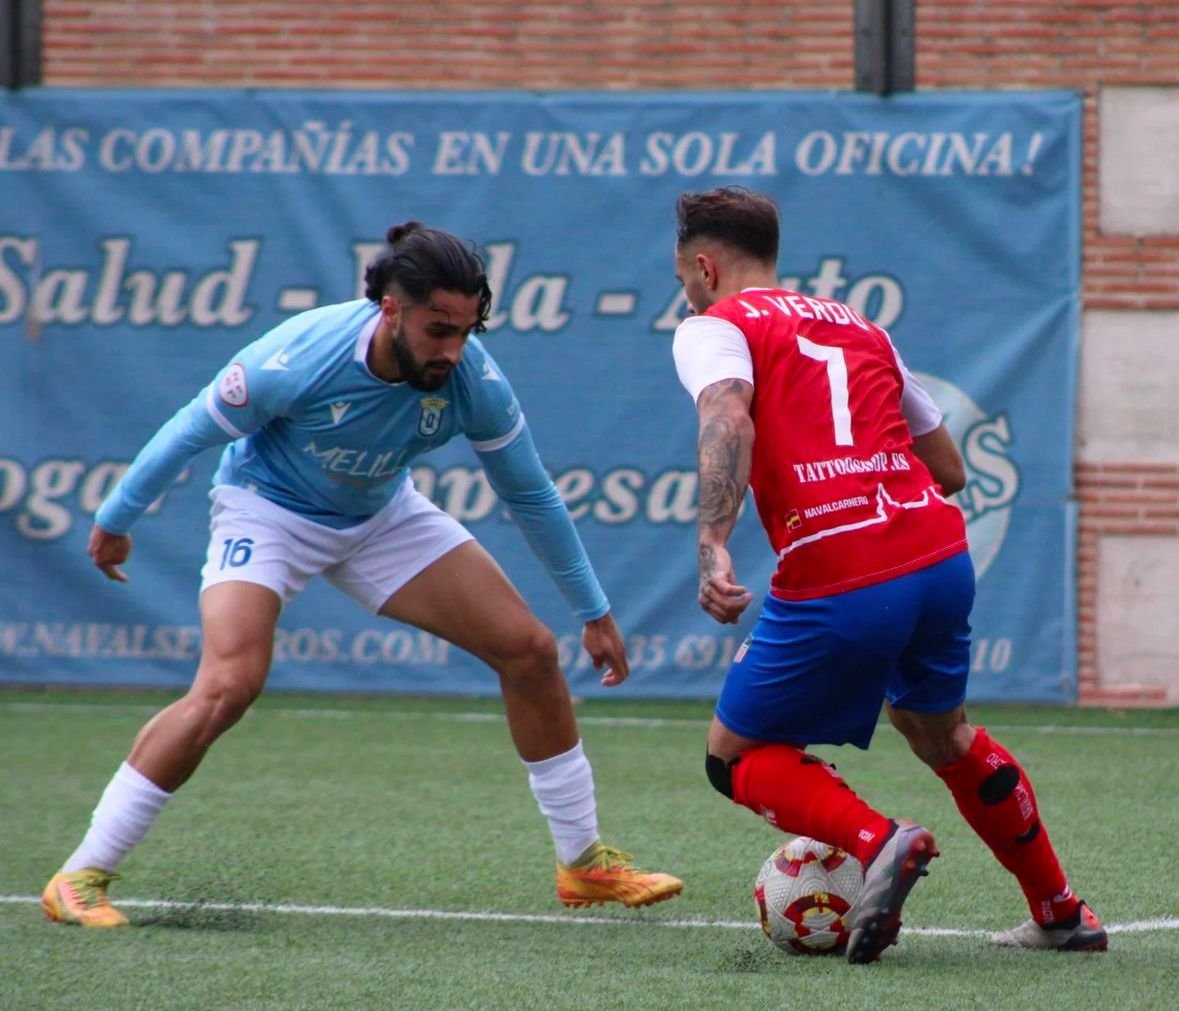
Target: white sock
564, 788
126, 812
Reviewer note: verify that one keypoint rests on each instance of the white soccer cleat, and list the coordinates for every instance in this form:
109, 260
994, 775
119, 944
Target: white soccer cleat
1085, 933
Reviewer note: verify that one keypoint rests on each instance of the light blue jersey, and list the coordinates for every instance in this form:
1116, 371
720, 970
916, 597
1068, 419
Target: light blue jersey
311, 429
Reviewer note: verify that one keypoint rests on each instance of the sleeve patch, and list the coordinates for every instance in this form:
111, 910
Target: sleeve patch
232, 388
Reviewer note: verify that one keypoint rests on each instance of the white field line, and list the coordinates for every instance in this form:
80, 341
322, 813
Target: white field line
1135, 927
652, 723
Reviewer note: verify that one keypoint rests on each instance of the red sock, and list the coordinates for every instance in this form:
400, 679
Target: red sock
995, 797
801, 793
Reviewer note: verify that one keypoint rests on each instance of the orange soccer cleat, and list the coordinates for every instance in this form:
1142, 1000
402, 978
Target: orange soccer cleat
604, 874
80, 897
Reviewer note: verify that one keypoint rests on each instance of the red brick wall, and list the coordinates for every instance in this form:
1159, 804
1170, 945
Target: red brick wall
660, 44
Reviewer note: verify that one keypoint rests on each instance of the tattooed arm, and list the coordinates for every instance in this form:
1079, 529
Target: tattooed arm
725, 453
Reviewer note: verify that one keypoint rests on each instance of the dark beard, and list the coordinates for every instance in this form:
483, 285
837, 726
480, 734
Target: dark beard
414, 372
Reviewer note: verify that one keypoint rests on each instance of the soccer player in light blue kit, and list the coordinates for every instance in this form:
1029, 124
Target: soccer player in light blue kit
323, 416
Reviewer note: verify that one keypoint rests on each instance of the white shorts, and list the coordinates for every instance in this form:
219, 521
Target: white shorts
255, 541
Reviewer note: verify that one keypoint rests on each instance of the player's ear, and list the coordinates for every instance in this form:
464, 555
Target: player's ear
390, 309
706, 266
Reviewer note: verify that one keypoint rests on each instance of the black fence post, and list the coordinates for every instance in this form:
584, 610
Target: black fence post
20, 43
884, 45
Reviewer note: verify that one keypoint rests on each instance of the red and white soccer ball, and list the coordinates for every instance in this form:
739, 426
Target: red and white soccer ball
805, 893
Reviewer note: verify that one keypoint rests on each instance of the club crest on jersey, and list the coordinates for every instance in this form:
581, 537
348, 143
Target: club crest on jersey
793, 520
232, 388
430, 420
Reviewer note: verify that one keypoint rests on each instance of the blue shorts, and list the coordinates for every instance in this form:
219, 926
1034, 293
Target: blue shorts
817, 671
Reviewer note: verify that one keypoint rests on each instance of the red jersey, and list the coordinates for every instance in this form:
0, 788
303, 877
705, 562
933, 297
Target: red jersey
843, 498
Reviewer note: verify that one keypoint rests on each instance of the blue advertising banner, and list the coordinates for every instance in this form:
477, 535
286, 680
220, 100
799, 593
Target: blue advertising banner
146, 236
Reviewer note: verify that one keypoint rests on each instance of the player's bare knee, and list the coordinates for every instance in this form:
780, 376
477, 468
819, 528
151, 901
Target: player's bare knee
938, 747
530, 656
220, 703
937, 739
945, 745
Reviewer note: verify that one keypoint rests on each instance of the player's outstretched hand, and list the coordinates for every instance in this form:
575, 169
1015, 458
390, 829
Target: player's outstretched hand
108, 551
603, 643
720, 594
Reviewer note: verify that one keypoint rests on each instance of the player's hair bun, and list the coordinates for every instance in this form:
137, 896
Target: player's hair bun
419, 260
398, 232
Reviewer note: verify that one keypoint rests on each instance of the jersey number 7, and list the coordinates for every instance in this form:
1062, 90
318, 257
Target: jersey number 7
837, 381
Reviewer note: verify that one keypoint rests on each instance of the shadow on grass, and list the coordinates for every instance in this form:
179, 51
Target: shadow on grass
762, 957
198, 916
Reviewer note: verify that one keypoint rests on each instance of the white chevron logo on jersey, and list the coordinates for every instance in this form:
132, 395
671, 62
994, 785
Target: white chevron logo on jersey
490, 373
339, 409
277, 362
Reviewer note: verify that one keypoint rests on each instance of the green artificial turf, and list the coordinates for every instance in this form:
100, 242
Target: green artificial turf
338, 852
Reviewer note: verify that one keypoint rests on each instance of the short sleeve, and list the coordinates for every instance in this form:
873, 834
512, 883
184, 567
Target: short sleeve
707, 350
917, 406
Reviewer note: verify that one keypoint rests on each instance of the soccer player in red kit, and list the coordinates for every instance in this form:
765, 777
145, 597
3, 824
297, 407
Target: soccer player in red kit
808, 403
